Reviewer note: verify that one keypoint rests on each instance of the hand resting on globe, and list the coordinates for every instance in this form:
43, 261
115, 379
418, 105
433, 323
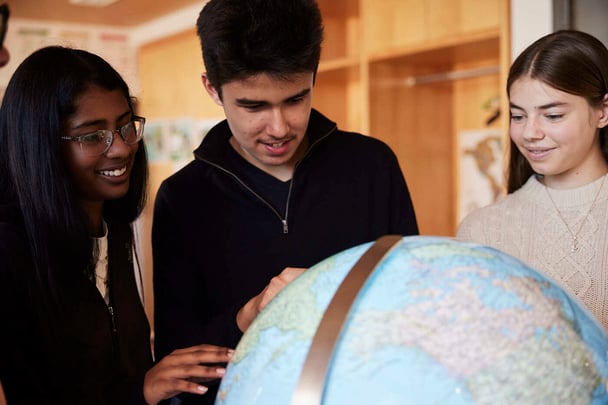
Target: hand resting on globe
255, 305
184, 370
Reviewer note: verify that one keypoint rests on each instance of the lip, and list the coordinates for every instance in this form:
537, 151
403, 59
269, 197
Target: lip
538, 153
277, 147
115, 172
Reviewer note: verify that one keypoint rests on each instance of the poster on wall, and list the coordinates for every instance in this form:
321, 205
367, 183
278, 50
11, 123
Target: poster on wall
174, 140
24, 37
480, 167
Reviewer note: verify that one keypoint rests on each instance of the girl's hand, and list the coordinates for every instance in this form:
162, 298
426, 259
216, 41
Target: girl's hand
183, 370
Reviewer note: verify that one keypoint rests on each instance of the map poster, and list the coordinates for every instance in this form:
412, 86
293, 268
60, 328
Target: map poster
480, 167
174, 139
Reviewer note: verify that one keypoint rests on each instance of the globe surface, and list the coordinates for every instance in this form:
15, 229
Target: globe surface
437, 322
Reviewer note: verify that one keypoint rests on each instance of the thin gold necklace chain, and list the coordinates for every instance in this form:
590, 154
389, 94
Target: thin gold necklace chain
574, 236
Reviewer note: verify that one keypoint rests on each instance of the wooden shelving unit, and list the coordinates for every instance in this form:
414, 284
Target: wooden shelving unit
415, 73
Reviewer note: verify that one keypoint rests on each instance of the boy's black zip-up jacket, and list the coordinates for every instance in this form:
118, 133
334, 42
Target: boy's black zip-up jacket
217, 242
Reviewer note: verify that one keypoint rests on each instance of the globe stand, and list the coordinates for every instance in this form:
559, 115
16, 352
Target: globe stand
311, 384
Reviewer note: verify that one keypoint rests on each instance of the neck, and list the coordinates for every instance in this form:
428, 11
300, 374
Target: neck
566, 181
94, 211
283, 171
575, 231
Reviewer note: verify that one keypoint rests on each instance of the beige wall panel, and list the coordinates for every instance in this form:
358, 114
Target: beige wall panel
170, 78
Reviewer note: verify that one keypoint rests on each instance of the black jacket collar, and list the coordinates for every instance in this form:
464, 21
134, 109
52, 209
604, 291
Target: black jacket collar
215, 144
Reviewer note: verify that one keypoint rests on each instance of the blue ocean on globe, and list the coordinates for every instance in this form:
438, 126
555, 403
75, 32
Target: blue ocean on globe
437, 322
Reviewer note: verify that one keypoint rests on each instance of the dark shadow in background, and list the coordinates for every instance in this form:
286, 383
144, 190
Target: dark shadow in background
590, 16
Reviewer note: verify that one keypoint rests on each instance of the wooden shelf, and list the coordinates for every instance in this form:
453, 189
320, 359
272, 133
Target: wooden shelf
454, 48
375, 77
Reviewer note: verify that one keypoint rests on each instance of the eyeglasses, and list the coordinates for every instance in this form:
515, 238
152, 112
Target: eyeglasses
98, 142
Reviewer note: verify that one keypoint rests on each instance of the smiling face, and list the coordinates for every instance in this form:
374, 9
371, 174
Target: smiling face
268, 118
103, 177
557, 132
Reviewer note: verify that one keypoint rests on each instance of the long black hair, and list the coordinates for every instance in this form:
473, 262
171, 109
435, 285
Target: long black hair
39, 98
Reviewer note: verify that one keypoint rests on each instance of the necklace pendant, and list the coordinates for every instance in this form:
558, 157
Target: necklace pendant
574, 247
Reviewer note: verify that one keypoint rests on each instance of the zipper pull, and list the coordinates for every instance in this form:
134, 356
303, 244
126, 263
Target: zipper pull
111, 310
285, 227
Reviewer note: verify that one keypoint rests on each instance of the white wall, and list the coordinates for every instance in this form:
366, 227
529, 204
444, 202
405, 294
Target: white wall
117, 46
25, 36
174, 23
530, 20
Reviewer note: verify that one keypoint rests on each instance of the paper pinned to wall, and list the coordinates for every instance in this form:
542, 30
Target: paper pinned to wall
26, 36
480, 166
174, 139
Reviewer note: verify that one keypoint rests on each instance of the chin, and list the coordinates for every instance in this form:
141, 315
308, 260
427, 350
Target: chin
115, 194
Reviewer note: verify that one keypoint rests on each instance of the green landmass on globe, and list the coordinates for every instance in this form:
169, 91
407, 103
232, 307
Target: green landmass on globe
437, 322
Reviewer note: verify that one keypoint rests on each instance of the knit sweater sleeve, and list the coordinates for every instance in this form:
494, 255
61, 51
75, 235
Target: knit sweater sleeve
473, 227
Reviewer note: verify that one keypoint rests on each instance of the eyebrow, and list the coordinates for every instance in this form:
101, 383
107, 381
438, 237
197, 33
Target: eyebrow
541, 107
101, 121
249, 102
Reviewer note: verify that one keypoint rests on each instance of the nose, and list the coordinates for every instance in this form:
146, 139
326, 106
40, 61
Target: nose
277, 123
532, 130
118, 147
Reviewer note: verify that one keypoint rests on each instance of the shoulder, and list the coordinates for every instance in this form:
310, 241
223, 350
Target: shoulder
341, 141
479, 215
190, 188
352, 155
360, 142
357, 150
480, 221
185, 178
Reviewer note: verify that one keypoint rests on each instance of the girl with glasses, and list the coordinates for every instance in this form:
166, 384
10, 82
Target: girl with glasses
73, 174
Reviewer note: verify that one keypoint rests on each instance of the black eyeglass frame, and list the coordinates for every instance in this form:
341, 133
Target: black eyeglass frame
108, 136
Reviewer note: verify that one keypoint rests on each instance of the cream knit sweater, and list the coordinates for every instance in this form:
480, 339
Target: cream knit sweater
525, 224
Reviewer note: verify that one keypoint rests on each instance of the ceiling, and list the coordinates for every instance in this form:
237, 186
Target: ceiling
123, 13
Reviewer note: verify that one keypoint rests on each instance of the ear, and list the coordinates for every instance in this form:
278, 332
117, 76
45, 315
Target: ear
211, 90
603, 118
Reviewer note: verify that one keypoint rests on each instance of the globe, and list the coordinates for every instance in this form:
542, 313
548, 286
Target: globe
437, 321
